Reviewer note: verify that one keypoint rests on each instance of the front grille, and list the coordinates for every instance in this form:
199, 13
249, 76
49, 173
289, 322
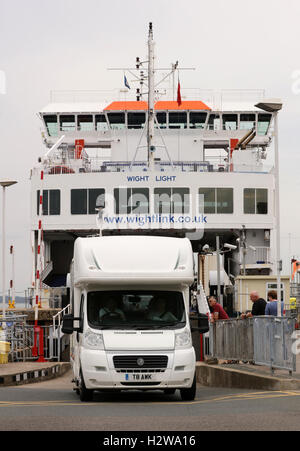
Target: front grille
138, 370
149, 361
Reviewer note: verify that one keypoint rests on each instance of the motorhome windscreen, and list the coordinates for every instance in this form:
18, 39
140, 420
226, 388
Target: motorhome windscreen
146, 309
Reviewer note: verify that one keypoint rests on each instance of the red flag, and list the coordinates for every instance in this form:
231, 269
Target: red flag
178, 94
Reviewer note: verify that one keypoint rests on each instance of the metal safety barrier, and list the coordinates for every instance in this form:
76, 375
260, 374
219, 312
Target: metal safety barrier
28, 342
263, 340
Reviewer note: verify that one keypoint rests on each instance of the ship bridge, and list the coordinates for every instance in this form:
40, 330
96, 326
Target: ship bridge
192, 136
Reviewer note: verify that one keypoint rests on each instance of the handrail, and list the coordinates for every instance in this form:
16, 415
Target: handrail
59, 315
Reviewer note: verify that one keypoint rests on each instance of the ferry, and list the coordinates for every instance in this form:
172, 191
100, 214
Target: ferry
150, 165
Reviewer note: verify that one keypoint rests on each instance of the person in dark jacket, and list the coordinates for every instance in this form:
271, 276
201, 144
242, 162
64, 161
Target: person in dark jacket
258, 307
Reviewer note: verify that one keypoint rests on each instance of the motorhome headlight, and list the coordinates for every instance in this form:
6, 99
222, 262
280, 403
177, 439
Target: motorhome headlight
93, 340
183, 339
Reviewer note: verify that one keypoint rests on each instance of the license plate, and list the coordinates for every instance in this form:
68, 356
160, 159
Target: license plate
139, 377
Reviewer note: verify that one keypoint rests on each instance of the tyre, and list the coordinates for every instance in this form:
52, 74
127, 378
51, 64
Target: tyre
85, 394
170, 391
188, 394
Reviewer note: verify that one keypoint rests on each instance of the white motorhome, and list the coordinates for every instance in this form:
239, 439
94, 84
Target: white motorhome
130, 315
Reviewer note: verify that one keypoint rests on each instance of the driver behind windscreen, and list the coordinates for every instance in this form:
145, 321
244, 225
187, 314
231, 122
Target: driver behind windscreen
110, 309
158, 311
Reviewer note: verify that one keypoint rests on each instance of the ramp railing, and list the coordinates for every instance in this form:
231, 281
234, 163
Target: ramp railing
263, 340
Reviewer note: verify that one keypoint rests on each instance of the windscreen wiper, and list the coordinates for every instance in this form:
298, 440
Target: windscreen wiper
114, 326
162, 325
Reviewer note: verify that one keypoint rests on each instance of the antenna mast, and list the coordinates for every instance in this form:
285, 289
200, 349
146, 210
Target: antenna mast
150, 131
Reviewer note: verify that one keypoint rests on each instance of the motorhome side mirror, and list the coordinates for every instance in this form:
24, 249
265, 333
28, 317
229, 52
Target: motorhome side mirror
68, 324
203, 323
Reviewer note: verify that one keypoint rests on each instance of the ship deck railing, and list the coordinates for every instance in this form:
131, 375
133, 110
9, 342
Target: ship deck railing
58, 167
89, 166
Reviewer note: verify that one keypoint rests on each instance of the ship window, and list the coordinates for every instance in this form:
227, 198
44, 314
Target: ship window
67, 122
51, 124
85, 122
224, 200
207, 200
96, 197
79, 202
249, 201
54, 202
101, 124
83, 201
131, 200
216, 200
214, 122
197, 120
162, 200
136, 120
263, 123
247, 121
121, 196
178, 120
255, 201
51, 202
116, 120
180, 200
230, 121
171, 200
161, 119
139, 200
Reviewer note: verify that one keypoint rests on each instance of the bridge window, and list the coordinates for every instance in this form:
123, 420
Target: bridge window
83, 201
178, 120
171, 200
67, 122
197, 120
247, 121
101, 123
116, 120
131, 200
216, 200
161, 119
51, 124
85, 122
263, 123
230, 121
214, 122
51, 202
136, 120
255, 201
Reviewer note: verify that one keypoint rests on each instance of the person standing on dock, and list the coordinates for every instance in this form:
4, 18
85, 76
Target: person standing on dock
258, 307
217, 309
271, 308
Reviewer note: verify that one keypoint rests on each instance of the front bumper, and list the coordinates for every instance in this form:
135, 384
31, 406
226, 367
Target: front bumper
99, 372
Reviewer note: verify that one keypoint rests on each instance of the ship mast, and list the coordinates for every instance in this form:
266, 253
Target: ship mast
151, 71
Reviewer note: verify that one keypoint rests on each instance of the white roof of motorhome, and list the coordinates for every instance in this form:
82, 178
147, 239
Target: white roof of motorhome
133, 259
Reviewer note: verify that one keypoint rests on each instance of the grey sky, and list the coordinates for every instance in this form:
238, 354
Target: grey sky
69, 44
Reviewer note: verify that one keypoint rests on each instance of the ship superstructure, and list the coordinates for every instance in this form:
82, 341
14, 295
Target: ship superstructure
194, 168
